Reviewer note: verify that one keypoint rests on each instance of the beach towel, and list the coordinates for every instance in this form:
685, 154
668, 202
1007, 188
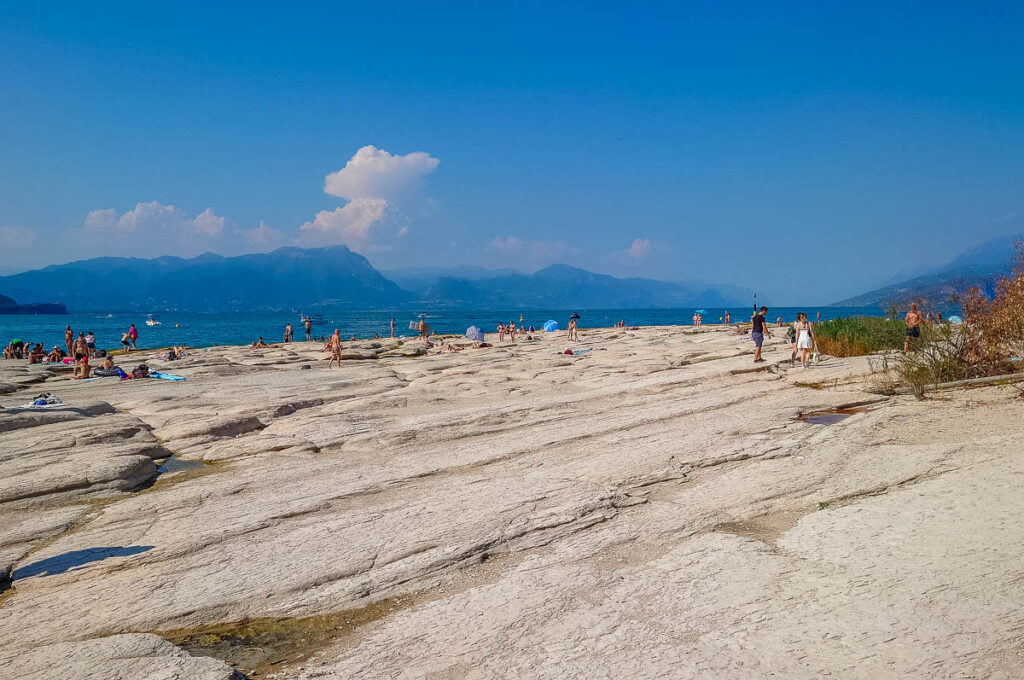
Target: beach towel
166, 376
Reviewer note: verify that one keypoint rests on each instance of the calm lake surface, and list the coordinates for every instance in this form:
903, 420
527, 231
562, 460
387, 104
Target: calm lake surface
234, 328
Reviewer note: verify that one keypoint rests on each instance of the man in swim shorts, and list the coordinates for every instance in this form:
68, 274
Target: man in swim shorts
913, 321
334, 344
758, 330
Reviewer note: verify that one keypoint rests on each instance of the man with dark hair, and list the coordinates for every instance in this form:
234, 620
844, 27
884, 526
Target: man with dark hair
913, 321
758, 331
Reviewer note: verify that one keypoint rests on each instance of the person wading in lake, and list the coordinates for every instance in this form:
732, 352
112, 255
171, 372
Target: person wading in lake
334, 344
758, 331
913, 321
309, 329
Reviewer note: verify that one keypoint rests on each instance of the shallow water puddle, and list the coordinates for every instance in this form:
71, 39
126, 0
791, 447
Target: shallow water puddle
175, 464
831, 416
257, 646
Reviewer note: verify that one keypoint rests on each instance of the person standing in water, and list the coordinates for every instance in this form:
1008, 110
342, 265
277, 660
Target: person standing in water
913, 321
758, 331
309, 329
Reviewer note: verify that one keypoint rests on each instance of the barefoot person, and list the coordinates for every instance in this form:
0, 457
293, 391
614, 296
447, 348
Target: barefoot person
334, 344
82, 368
134, 335
913, 321
804, 338
90, 343
69, 340
728, 318
288, 332
308, 324
758, 331
392, 327
422, 327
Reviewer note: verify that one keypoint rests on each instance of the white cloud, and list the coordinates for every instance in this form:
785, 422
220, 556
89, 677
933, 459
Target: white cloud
208, 223
639, 249
349, 225
101, 219
154, 216
264, 238
375, 173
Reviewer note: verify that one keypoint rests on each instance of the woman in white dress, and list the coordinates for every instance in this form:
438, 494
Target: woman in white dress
804, 339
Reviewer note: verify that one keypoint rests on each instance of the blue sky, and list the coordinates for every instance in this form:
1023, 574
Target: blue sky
808, 150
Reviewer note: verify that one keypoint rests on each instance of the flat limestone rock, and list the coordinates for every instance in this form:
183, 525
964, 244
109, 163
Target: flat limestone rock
656, 509
119, 657
96, 452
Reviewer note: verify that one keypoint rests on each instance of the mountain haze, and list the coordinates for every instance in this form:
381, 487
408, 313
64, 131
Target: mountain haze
285, 279
305, 279
981, 266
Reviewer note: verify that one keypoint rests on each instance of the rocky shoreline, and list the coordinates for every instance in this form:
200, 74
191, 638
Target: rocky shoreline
653, 507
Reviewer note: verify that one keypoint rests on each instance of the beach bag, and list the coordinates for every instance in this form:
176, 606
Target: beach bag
120, 373
141, 371
102, 353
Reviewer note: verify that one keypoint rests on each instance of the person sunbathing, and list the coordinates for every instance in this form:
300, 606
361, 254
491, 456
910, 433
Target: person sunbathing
259, 343
55, 356
82, 368
36, 354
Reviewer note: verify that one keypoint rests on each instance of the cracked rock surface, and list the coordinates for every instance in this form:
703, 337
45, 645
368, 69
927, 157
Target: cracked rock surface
652, 508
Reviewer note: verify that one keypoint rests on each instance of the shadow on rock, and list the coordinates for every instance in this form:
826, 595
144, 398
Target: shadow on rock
59, 564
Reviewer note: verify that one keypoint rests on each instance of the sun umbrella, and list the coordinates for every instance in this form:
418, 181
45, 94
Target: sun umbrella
550, 325
475, 334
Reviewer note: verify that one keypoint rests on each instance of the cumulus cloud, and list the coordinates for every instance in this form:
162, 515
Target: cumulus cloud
154, 216
208, 223
264, 238
375, 173
349, 225
639, 249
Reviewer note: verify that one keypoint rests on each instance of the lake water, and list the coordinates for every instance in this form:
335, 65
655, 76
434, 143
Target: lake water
234, 328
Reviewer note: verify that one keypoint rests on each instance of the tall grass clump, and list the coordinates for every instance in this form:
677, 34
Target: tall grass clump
859, 335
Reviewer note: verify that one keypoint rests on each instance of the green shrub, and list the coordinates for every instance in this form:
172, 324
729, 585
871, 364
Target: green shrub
859, 335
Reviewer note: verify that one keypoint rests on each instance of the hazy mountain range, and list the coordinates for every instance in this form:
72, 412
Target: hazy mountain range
980, 266
335, 277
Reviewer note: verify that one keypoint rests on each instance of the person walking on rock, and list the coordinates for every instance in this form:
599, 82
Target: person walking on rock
334, 344
288, 333
133, 335
69, 340
309, 329
804, 338
758, 331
